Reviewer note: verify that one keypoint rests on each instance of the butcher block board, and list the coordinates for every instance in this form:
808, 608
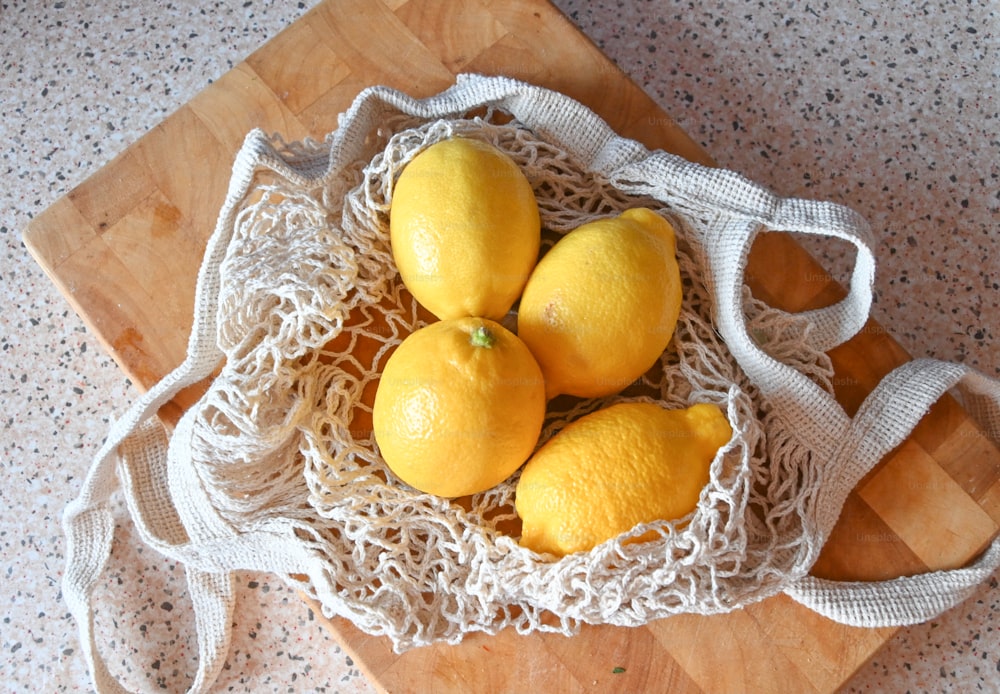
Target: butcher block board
125, 246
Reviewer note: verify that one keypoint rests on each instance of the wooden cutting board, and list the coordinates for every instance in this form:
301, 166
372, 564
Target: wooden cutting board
125, 246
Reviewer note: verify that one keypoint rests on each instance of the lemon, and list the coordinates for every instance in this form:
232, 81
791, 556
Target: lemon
464, 229
601, 306
459, 407
608, 471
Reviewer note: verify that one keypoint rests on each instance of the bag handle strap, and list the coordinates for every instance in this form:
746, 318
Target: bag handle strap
88, 522
701, 188
162, 490
89, 527
885, 419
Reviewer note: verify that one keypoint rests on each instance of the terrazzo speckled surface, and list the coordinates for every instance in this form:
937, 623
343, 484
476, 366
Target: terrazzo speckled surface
891, 112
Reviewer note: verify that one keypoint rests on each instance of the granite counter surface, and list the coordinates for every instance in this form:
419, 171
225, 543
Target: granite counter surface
891, 112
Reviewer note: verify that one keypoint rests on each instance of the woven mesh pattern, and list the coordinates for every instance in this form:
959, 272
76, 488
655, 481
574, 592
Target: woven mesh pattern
311, 306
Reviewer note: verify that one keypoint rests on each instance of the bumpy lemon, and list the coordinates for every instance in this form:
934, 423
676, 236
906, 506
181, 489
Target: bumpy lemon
464, 228
459, 407
602, 304
608, 471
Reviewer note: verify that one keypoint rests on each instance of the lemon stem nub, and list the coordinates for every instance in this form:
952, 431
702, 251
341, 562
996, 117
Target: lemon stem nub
482, 337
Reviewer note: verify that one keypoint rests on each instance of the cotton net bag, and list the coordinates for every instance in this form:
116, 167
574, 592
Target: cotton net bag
298, 305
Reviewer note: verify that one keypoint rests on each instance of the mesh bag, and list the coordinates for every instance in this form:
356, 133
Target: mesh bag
298, 304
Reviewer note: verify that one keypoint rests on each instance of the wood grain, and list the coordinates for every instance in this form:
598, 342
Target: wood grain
125, 247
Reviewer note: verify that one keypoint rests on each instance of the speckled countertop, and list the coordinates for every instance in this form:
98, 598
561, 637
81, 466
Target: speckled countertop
891, 112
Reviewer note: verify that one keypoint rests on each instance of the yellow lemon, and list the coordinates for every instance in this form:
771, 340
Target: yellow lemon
459, 407
464, 228
608, 471
601, 306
